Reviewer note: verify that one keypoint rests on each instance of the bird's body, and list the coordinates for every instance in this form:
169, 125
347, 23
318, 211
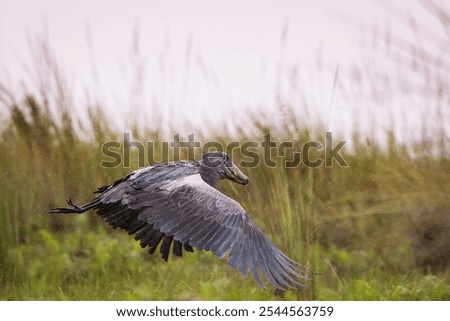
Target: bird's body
175, 205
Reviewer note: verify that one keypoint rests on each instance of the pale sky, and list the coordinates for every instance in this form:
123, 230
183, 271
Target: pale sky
207, 60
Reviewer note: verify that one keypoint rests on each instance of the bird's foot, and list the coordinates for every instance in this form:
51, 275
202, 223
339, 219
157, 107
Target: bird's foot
71, 203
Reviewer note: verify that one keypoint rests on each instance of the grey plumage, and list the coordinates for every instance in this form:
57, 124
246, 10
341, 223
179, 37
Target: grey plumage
175, 205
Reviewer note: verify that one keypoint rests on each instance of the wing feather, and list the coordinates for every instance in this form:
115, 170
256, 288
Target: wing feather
177, 248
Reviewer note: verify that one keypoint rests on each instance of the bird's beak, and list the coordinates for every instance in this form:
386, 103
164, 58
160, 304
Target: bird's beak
235, 174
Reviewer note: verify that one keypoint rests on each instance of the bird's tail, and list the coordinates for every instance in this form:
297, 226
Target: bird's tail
75, 209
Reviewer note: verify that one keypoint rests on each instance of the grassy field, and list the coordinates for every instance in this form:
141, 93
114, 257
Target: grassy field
377, 229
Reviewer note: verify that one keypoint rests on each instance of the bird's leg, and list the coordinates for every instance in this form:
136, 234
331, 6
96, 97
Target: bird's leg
74, 209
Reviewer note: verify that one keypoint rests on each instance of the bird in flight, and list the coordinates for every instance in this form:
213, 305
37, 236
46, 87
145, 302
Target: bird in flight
175, 205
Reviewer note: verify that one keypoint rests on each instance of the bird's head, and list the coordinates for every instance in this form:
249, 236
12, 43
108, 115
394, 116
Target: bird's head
222, 164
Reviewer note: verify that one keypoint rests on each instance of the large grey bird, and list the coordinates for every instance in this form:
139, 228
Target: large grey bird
176, 203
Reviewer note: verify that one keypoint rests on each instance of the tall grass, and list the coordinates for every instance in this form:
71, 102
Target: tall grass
346, 224
377, 229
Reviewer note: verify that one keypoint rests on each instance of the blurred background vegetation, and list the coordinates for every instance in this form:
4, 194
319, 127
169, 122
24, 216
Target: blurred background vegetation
378, 229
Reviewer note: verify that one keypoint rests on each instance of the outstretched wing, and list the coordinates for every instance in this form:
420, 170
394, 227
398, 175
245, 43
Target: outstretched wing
112, 204
190, 212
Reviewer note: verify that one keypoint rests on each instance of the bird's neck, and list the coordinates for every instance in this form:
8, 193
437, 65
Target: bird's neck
210, 176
